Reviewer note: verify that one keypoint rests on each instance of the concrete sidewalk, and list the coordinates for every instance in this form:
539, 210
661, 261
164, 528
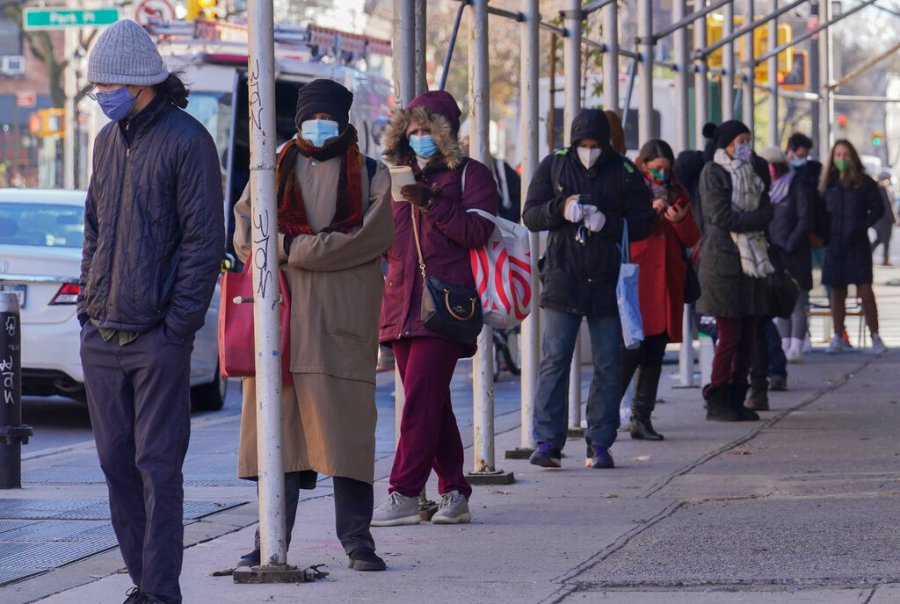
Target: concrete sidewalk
800, 507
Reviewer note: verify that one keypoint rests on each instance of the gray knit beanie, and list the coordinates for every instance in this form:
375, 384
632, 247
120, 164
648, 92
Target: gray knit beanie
125, 54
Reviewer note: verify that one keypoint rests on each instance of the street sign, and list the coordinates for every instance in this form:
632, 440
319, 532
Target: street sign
26, 99
153, 9
61, 18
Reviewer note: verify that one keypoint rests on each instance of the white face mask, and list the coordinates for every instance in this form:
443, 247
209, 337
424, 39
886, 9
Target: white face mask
588, 156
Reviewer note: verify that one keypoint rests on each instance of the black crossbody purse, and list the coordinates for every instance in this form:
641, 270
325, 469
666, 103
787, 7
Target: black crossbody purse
448, 310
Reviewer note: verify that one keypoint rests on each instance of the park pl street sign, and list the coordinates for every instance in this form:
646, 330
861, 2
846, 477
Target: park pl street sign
61, 18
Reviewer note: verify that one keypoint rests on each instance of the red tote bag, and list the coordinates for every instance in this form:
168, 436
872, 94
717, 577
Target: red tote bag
237, 356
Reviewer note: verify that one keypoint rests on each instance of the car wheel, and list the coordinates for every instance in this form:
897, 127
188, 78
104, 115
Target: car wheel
211, 396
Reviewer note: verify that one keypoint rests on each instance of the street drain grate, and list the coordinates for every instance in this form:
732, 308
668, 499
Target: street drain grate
40, 535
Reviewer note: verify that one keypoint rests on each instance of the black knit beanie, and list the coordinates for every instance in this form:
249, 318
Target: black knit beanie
728, 131
324, 96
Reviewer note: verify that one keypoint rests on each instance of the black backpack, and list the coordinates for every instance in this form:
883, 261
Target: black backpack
821, 231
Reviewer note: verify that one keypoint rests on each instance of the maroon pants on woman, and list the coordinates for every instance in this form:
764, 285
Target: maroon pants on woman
429, 436
734, 351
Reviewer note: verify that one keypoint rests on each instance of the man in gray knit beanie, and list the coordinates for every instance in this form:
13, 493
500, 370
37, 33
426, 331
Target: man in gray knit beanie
123, 65
154, 237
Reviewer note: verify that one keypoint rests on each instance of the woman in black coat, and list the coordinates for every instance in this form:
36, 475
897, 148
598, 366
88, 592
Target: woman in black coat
854, 202
793, 200
733, 265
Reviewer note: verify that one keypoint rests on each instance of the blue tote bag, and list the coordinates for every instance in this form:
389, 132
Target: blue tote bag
627, 296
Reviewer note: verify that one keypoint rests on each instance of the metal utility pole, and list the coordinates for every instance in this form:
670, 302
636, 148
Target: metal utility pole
772, 66
645, 46
485, 471
572, 69
610, 57
529, 345
750, 73
701, 88
266, 298
421, 45
728, 65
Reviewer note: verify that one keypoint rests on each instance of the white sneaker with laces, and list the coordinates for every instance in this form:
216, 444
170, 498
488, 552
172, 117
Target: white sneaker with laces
398, 510
453, 509
836, 345
878, 347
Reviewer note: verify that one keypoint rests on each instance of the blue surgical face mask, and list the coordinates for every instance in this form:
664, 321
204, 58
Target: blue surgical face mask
423, 145
317, 132
799, 162
743, 152
116, 104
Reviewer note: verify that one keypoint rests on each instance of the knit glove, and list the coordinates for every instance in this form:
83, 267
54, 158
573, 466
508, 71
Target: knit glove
573, 211
420, 194
594, 219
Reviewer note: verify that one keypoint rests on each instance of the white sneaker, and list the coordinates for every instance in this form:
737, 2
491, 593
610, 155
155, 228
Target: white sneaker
794, 353
398, 510
836, 345
878, 346
453, 509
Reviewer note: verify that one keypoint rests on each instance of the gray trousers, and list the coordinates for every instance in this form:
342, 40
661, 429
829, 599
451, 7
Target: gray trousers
139, 401
353, 506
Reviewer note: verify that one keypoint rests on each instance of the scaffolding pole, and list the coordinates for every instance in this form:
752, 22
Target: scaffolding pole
610, 57
701, 90
572, 76
728, 64
421, 46
774, 139
485, 471
748, 93
529, 123
826, 102
645, 45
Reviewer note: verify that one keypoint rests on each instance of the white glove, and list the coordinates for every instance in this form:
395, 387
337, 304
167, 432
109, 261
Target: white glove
573, 211
594, 219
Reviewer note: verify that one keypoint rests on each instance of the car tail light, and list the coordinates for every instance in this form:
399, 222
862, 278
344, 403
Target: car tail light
67, 294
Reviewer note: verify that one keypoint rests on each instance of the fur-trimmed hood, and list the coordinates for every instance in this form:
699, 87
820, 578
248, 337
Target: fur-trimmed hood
444, 129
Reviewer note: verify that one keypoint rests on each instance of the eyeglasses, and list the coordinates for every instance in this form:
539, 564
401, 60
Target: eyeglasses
92, 93
581, 234
98, 89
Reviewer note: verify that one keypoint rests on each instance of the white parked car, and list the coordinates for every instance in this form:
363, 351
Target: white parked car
41, 233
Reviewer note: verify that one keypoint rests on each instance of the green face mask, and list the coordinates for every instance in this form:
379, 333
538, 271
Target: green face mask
842, 164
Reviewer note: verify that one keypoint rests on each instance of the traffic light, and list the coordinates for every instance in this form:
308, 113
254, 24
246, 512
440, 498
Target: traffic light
761, 46
47, 122
877, 138
842, 120
798, 77
205, 9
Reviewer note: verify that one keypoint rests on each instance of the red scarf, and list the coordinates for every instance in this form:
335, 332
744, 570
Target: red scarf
291, 210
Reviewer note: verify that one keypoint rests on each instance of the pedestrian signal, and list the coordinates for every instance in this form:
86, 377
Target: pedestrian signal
877, 138
798, 77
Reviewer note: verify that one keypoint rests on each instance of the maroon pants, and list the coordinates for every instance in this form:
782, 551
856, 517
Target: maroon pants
734, 351
429, 436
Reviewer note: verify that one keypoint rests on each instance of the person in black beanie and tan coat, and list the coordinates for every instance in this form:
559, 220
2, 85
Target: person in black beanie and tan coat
334, 222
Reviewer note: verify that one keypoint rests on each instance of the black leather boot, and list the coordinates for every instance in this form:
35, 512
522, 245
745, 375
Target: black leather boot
738, 395
719, 407
644, 402
758, 399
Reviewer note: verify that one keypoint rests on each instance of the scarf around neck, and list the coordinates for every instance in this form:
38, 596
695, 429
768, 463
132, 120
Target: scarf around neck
778, 191
292, 218
746, 188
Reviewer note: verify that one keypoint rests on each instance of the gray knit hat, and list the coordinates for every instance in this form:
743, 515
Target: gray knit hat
773, 155
125, 54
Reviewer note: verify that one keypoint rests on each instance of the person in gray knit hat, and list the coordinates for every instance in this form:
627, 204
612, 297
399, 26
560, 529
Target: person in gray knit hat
154, 237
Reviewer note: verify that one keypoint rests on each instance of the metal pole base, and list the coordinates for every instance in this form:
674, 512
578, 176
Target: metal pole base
277, 574
518, 453
489, 478
575, 433
685, 387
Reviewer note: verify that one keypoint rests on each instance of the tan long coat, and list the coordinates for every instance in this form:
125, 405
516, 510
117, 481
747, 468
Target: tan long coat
336, 288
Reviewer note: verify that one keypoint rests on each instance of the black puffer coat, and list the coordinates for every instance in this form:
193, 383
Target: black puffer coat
576, 278
154, 228
790, 227
848, 255
726, 290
